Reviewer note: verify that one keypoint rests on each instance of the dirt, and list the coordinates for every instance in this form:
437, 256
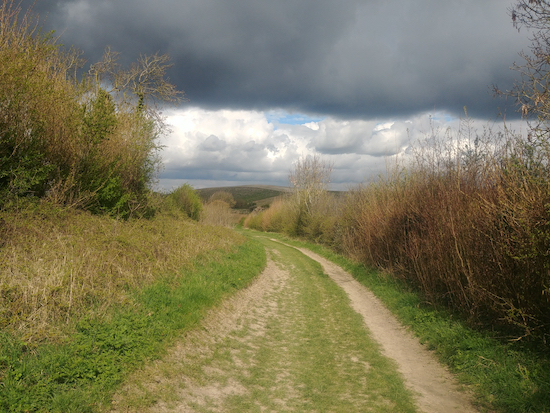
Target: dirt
177, 382
437, 389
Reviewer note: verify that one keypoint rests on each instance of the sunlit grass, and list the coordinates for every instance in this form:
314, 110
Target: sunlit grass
60, 263
504, 377
169, 271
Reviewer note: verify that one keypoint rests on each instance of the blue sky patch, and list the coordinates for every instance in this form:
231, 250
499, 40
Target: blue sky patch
284, 118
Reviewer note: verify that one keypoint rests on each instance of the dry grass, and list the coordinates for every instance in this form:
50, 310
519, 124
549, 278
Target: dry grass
58, 264
467, 223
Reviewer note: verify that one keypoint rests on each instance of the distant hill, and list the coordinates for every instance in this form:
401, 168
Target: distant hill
247, 196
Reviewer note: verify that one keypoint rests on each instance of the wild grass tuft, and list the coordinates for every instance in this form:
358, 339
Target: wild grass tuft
57, 264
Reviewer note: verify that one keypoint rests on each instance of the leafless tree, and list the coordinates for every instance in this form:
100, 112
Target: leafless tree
145, 80
533, 91
309, 179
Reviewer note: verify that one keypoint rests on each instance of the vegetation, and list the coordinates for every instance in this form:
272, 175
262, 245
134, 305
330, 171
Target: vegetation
219, 213
504, 377
97, 272
466, 223
88, 142
246, 197
80, 372
223, 196
186, 199
461, 233
291, 343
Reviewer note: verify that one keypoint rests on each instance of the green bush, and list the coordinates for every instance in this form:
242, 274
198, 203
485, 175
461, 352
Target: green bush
90, 143
187, 200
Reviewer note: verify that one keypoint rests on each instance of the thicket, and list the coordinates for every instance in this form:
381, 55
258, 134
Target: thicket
465, 220
74, 138
467, 223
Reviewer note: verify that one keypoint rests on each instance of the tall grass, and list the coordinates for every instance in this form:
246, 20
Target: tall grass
80, 373
466, 222
60, 264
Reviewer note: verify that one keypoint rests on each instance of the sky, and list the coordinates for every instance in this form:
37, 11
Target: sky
270, 81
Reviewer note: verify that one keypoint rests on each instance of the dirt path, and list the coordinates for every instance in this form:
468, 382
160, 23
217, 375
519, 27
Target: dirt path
436, 388
292, 343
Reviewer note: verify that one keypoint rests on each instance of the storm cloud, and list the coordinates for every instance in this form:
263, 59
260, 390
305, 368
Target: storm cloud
354, 70
351, 58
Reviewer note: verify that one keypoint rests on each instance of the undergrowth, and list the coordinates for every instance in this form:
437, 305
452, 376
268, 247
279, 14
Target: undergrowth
509, 377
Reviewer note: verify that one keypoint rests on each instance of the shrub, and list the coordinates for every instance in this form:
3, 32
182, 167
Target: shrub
186, 199
219, 213
223, 196
90, 143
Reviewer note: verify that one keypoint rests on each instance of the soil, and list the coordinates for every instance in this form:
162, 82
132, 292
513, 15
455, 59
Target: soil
173, 385
437, 389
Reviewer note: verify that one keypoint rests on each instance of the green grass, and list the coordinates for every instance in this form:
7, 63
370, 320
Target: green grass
327, 338
297, 346
505, 376
81, 374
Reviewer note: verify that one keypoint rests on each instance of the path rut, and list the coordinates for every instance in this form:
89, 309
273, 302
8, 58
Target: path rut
242, 351
437, 389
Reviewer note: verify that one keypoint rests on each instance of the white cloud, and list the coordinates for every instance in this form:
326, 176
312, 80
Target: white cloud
224, 147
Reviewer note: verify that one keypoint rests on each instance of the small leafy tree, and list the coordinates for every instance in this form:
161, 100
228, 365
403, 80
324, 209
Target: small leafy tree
186, 199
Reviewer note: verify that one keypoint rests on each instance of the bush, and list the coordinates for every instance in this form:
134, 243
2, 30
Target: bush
219, 213
186, 199
222, 196
88, 143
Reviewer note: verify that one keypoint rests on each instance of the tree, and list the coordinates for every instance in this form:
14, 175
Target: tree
144, 81
533, 92
309, 180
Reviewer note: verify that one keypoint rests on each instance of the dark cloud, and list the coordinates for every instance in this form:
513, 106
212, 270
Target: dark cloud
347, 58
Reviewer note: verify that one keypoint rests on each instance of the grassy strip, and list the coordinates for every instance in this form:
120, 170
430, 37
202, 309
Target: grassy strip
81, 374
336, 367
504, 376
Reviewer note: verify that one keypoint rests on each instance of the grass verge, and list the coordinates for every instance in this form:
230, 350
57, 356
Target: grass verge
81, 373
504, 376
